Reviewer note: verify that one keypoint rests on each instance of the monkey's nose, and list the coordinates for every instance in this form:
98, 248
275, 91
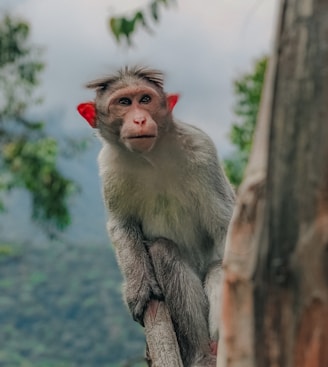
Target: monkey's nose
139, 120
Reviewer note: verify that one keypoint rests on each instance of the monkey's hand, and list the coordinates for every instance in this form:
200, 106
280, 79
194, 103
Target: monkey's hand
140, 281
138, 293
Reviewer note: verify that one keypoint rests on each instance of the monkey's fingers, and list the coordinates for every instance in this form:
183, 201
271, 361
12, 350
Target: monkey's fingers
137, 310
137, 300
156, 292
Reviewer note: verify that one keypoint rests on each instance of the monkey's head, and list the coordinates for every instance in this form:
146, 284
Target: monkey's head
131, 108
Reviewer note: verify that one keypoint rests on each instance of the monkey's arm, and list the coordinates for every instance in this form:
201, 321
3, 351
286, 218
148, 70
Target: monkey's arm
140, 282
217, 196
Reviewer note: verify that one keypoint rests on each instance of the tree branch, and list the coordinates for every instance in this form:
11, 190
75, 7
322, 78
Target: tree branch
163, 349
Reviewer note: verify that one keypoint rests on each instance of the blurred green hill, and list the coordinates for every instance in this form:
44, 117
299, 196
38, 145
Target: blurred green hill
61, 306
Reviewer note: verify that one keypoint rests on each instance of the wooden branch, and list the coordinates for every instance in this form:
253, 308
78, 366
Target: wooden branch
163, 348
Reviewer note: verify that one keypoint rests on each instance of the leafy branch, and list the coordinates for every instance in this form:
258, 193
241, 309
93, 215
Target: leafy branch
123, 27
248, 89
28, 157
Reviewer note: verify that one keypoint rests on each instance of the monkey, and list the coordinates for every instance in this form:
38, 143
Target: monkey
169, 204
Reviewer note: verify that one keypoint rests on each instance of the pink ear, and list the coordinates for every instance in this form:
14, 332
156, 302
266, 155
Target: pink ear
88, 111
172, 100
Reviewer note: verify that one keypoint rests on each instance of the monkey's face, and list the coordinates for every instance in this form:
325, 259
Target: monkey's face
135, 115
139, 113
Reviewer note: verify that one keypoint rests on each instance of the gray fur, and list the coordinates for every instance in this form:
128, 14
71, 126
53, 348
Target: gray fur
126, 76
169, 210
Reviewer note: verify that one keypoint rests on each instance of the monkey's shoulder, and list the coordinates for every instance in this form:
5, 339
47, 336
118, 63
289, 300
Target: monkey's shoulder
197, 145
203, 157
193, 135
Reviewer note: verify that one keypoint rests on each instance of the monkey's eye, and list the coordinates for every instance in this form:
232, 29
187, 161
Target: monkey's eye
124, 101
145, 99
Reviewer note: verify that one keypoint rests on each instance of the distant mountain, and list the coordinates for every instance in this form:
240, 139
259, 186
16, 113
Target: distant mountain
60, 302
61, 306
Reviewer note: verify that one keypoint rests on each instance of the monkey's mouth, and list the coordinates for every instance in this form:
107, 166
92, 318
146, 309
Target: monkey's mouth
141, 143
141, 137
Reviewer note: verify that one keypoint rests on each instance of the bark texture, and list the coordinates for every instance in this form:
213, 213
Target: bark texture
163, 349
275, 296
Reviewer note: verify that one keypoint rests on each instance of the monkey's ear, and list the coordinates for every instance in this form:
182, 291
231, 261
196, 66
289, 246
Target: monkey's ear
88, 111
172, 100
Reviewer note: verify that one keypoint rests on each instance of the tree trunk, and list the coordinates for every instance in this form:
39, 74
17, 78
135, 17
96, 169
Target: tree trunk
275, 295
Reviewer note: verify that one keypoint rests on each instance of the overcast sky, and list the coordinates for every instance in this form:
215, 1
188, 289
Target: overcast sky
202, 46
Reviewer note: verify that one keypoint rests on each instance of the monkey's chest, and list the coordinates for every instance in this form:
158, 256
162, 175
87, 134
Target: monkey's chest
171, 214
164, 204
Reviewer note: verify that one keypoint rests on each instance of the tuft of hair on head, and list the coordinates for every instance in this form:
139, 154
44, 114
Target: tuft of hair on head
127, 75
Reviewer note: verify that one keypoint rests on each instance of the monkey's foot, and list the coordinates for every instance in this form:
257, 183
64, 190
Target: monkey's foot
206, 361
214, 348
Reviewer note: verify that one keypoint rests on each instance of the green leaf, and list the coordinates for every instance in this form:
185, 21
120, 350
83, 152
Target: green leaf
124, 26
127, 27
248, 90
154, 10
34, 166
140, 18
115, 25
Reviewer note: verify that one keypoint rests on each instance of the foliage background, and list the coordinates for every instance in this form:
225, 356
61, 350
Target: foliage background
28, 157
247, 90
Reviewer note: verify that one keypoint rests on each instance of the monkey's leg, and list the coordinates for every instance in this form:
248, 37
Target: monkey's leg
213, 288
186, 300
